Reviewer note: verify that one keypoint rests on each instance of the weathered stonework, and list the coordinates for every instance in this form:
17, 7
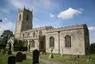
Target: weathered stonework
41, 36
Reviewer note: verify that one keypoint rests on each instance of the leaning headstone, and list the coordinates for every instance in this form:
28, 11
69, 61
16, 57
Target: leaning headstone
78, 56
9, 52
62, 53
11, 60
24, 56
51, 55
19, 57
36, 54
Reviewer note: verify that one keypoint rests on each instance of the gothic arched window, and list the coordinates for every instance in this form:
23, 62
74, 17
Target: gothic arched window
40, 33
67, 41
19, 17
23, 35
27, 17
51, 39
28, 34
32, 43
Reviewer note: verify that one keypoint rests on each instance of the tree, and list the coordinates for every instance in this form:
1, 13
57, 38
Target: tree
19, 45
5, 36
92, 48
7, 33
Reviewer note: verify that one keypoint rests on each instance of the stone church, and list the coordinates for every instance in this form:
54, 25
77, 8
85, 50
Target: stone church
64, 40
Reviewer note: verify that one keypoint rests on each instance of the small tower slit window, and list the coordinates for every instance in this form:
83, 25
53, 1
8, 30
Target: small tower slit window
27, 17
20, 17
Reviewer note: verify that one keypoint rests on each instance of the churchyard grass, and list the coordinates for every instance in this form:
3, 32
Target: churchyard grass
4, 60
70, 59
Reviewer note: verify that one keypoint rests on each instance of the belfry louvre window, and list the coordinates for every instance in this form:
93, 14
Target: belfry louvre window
67, 41
19, 17
51, 39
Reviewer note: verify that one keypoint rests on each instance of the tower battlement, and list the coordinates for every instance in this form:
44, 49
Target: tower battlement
24, 9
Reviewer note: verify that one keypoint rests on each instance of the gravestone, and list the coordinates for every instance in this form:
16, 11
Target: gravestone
4, 51
11, 60
19, 57
62, 53
51, 55
24, 56
36, 54
9, 51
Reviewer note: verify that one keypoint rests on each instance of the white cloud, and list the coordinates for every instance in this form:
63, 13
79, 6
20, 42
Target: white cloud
91, 28
31, 4
51, 15
69, 13
6, 25
4, 11
17, 3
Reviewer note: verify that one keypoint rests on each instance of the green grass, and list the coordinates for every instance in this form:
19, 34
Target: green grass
70, 59
4, 60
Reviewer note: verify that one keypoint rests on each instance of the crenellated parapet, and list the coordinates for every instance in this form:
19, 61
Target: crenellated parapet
35, 32
24, 9
39, 28
73, 27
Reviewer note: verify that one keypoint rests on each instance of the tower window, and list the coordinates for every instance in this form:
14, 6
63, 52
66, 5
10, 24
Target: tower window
67, 41
27, 17
20, 17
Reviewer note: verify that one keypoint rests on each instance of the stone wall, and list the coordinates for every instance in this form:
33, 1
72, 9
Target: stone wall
77, 40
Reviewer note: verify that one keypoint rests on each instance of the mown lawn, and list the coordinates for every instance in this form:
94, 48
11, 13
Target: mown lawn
4, 60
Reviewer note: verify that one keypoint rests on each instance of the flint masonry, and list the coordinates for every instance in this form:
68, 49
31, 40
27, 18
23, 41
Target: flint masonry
67, 40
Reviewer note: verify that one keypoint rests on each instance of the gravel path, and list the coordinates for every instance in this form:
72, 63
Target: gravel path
44, 60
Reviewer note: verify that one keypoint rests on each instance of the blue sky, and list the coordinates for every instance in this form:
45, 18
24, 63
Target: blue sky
57, 13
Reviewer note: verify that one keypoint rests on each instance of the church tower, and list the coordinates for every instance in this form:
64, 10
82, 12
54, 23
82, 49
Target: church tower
24, 21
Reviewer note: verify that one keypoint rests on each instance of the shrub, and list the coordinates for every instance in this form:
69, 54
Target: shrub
19, 45
3, 51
